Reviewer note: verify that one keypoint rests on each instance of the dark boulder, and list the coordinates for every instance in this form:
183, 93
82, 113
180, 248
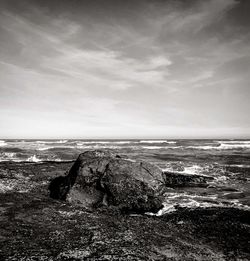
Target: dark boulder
102, 178
173, 180
59, 187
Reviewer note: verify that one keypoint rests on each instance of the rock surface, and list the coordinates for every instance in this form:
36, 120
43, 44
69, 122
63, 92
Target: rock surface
35, 227
173, 180
102, 178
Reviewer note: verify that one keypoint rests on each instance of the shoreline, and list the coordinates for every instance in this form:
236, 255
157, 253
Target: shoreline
35, 227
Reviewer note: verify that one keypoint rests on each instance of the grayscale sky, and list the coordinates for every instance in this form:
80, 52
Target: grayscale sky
124, 69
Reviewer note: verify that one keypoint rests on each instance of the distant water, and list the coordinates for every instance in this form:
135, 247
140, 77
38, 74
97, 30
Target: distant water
228, 161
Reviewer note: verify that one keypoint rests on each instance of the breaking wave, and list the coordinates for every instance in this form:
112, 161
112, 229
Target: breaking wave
226, 146
2, 143
34, 159
222, 146
98, 146
103, 142
51, 141
174, 201
8, 156
45, 148
235, 141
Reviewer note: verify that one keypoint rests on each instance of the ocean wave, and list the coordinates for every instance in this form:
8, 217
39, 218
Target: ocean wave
157, 141
203, 147
62, 141
3, 143
98, 147
169, 208
174, 201
34, 159
234, 146
51, 141
238, 165
43, 142
234, 141
103, 142
191, 170
5, 188
222, 146
152, 147
220, 179
45, 148
8, 156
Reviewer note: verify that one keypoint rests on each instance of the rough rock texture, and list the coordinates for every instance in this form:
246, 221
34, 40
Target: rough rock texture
173, 180
102, 178
34, 227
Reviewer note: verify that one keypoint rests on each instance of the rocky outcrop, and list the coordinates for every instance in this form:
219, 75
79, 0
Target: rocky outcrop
173, 180
102, 178
34, 227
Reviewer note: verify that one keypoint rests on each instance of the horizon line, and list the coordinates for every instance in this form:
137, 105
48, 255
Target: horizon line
128, 138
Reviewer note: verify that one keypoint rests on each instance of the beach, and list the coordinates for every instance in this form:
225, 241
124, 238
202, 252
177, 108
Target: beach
124, 132
227, 162
200, 220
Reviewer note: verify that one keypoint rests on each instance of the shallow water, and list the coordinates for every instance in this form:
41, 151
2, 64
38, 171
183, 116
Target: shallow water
227, 161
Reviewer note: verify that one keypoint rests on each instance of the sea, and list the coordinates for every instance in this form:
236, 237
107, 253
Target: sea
226, 161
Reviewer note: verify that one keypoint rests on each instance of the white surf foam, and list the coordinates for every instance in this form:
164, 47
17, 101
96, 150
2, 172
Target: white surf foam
45, 148
3, 143
234, 141
98, 146
226, 146
174, 201
103, 142
5, 188
33, 159
9, 156
238, 165
222, 146
62, 141
195, 169
43, 142
51, 141
189, 170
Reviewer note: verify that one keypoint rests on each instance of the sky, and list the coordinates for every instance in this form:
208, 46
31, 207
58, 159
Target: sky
124, 69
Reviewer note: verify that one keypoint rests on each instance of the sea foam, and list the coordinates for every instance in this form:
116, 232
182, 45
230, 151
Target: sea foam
103, 142
33, 159
226, 146
3, 143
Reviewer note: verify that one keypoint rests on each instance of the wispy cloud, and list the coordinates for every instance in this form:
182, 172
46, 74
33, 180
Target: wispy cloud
149, 64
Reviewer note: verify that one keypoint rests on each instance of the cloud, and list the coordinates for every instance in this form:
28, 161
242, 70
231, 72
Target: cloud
149, 67
43, 51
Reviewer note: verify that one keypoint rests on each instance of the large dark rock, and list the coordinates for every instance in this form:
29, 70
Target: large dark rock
173, 180
59, 187
102, 178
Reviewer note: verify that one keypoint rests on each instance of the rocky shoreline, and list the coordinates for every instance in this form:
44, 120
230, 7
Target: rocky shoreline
34, 226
